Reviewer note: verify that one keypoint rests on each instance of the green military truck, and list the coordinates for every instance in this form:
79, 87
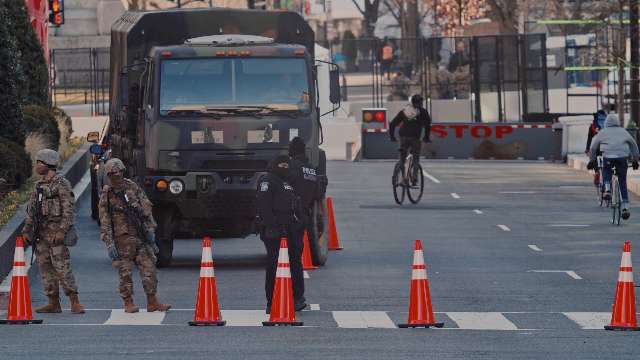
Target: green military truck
201, 100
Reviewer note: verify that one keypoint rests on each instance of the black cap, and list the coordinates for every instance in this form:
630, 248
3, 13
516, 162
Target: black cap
417, 100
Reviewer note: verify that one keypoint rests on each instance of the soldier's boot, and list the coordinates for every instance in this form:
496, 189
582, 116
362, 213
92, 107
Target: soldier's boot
154, 305
76, 307
52, 307
129, 306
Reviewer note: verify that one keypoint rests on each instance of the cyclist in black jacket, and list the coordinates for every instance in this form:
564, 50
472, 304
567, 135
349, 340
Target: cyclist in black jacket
412, 119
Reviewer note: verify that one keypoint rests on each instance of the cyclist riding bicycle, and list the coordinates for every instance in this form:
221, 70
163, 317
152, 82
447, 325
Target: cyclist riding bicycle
412, 119
616, 145
597, 125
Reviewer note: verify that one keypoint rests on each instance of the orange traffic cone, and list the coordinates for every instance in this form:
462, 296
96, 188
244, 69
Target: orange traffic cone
307, 262
207, 310
624, 306
19, 311
334, 242
420, 311
282, 308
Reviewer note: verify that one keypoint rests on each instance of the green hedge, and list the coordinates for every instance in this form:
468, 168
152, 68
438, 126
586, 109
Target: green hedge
39, 119
15, 164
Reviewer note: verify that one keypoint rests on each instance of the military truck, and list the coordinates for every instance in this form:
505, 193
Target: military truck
201, 101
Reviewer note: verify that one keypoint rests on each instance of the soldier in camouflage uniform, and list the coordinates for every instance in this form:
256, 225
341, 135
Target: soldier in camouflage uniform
128, 230
49, 216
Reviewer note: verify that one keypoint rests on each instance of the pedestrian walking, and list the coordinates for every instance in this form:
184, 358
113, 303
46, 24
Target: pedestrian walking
50, 219
127, 228
280, 216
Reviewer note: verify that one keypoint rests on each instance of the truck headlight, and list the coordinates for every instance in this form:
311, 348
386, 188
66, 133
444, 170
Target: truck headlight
176, 186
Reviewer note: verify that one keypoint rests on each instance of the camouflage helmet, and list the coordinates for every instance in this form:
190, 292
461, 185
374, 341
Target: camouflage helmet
114, 165
49, 157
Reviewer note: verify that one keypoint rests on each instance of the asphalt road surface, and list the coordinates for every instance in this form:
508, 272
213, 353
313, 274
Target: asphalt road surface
521, 259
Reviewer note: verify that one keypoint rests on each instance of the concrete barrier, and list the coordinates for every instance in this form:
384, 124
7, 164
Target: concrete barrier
74, 169
515, 141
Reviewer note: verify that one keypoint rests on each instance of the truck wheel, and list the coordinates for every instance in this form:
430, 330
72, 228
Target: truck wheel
95, 197
164, 237
319, 242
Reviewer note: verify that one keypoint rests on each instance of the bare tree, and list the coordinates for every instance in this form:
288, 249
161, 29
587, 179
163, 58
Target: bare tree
370, 15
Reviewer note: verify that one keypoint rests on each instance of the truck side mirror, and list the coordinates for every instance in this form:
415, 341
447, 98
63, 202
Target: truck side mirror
334, 85
93, 137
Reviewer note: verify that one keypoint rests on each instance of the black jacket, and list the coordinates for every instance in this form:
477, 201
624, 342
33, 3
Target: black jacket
277, 204
411, 127
306, 182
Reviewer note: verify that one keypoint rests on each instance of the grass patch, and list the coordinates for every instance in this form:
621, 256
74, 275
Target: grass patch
9, 205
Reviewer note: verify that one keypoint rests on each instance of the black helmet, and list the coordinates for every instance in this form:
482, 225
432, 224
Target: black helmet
417, 100
296, 146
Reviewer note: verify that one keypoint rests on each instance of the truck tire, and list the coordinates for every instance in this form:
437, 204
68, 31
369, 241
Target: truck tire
319, 242
164, 236
95, 197
319, 246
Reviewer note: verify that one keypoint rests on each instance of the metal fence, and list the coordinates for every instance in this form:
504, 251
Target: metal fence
499, 78
80, 77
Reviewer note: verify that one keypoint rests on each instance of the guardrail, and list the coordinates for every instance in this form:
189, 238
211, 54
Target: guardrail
73, 169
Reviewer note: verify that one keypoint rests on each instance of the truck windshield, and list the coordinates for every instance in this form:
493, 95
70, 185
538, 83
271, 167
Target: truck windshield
222, 85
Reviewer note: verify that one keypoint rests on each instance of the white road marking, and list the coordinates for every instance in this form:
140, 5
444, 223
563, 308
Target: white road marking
314, 307
570, 225
589, 320
479, 212
534, 248
504, 227
362, 319
119, 317
517, 192
305, 274
430, 177
244, 317
481, 321
455, 196
571, 273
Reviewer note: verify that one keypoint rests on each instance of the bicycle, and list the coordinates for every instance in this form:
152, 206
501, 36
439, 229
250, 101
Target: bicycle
409, 180
616, 198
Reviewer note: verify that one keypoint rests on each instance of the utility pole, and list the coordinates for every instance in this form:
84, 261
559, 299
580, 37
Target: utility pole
635, 62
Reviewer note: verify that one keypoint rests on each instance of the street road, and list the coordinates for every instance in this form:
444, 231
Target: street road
522, 264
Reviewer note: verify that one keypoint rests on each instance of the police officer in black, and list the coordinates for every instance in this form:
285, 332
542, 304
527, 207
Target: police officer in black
412, 119
280, 216
307, 183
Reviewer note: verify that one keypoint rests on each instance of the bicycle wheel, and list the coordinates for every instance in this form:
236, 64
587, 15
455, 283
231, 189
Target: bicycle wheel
397, 181
616, 202
414, 192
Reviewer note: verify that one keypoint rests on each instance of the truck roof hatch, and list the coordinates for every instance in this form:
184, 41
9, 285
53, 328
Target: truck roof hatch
229, 40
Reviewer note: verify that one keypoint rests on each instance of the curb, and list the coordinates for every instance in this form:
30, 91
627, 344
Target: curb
579, 162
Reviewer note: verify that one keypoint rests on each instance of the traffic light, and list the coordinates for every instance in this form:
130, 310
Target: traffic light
56, 12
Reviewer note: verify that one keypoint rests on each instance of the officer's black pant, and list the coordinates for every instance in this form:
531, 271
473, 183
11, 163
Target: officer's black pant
295, 244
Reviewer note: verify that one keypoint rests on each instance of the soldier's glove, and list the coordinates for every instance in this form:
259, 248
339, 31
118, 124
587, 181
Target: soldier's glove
635, 165
591, 165
113, 253
27, 239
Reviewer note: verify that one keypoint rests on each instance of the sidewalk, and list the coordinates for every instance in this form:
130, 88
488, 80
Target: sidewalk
579, 162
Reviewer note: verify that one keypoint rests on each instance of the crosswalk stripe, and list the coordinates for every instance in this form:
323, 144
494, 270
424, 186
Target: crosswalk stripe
244, 317
362, 319
589, 320
481, 321
119, 317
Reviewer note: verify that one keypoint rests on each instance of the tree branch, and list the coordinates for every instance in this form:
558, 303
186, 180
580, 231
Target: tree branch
358, 6
396, 16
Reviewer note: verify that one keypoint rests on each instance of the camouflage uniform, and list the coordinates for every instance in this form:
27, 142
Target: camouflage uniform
117, 229
56, 217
